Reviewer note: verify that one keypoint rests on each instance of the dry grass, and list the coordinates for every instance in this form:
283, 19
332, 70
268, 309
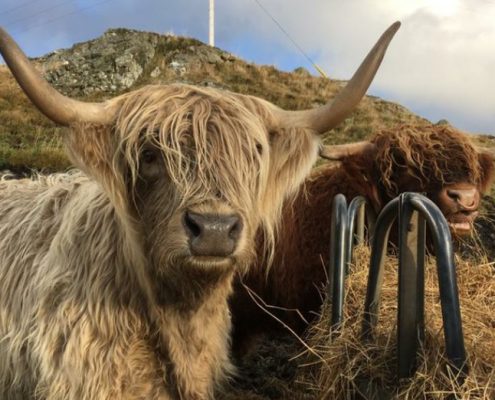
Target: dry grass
352, 369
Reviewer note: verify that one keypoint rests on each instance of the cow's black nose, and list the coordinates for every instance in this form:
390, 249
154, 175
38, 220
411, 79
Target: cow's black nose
212, 234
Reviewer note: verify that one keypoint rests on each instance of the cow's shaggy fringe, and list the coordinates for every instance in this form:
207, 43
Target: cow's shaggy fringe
352, 369
85, 311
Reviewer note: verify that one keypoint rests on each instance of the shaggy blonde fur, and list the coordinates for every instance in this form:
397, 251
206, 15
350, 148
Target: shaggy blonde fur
98, 298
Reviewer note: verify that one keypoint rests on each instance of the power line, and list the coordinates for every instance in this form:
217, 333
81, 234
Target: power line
8, 11
39, 12
63, 16
320, 71
284, 31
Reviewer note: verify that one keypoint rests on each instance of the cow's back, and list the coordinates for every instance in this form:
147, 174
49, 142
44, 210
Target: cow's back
53, 231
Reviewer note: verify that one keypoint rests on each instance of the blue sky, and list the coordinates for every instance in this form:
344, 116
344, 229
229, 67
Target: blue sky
441, 64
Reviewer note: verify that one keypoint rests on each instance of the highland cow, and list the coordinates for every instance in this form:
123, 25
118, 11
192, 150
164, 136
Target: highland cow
114, 280
436, 160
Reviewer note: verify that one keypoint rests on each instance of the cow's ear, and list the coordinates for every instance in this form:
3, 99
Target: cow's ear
94, 149
487, 166
91, 148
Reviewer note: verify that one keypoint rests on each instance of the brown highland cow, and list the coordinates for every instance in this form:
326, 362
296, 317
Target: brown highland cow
114, 281
437, 160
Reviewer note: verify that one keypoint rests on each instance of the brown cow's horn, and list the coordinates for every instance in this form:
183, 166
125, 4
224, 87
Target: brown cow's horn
58, 108
326, 117
487, 150
341, 151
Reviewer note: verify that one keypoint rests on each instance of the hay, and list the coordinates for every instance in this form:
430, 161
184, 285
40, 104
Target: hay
352, 369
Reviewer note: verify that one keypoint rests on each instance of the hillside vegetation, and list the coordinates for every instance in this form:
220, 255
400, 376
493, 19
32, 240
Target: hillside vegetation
122, 60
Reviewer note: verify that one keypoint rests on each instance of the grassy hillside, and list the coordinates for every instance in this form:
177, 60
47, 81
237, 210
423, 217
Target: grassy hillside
122, 60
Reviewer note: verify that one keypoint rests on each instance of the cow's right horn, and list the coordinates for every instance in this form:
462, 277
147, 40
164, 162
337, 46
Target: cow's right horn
326, 117
59, 108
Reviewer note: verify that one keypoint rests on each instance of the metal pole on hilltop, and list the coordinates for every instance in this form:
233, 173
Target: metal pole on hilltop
211, 40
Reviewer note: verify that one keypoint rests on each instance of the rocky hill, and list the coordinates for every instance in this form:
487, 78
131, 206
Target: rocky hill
121, 60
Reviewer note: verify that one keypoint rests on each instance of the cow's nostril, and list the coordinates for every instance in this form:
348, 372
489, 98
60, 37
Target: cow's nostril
465, 199
192, 224
453, 194
236, 229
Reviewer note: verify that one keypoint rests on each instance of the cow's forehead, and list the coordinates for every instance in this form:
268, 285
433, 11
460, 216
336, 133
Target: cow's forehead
431, 155
182, 111
175, 96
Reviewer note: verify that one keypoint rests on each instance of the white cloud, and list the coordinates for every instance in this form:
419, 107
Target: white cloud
441, 63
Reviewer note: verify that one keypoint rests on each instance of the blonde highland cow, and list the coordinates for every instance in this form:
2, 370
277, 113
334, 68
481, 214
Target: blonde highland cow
114, 280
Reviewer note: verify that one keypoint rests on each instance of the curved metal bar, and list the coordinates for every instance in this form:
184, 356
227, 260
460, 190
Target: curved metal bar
415, 207
355, 212
410, 318
371, 221
336, 270
378, 251
449, 296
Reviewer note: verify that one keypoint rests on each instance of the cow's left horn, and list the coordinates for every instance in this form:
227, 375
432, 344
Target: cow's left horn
341, 151
487, 150
326, 117
59, 108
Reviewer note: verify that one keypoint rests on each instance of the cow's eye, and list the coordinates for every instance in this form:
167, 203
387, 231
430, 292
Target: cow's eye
150, 165
148, 156
259, 148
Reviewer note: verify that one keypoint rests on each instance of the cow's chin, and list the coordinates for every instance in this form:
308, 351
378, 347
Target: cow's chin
209, 262
213, 264
461, 224
187, 279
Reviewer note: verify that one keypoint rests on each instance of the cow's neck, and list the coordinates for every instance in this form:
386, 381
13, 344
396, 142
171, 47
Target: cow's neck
188, 306
195, 336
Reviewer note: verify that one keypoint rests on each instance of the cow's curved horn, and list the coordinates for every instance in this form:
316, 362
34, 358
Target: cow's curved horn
326, 117
486, 150
57, 107
341, 151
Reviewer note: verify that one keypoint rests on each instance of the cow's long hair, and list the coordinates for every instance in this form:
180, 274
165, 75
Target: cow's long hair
427, 153
72, 251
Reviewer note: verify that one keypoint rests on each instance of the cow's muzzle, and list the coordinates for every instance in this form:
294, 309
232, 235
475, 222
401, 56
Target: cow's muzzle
460, 205
212, 235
